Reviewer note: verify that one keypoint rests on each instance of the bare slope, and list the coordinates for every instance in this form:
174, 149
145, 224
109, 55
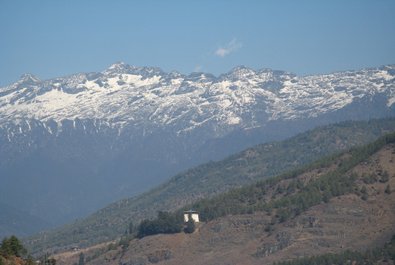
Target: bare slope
359, 217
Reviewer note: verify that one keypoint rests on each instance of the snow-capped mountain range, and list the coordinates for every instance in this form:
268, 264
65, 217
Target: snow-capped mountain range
75, 143
147, 97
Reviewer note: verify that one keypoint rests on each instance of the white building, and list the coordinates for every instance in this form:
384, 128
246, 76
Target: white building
191, 214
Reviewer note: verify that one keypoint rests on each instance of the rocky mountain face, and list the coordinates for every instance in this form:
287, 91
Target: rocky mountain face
71, 145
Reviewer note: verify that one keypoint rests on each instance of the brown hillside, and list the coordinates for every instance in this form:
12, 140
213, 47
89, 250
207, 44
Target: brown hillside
356, 221
12, 261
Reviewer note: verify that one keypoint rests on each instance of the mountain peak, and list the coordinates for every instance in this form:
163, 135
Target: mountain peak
29, 78
123, 68
117, 66
241, 71
241, 68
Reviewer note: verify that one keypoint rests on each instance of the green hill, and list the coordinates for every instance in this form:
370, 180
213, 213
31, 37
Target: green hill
257, 163
336, 210
288, 195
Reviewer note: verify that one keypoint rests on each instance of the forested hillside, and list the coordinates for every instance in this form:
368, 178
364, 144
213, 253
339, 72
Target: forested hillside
207, 180
337, 210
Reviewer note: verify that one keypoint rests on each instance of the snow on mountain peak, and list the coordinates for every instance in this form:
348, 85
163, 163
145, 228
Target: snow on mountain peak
117, 65
125, 95
28, 78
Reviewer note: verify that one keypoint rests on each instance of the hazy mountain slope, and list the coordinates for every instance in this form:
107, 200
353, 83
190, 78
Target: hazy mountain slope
18, 222
79, 142
209, 179
357, 215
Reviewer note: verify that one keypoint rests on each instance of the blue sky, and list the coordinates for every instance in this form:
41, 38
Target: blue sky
56, 38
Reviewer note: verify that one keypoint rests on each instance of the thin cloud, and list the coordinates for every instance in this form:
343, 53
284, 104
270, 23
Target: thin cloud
232, 46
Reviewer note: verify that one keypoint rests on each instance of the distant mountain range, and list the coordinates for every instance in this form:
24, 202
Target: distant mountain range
70, 145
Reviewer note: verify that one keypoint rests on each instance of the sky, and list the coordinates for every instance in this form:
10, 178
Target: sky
61, 37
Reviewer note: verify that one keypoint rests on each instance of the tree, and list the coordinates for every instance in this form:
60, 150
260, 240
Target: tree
131, 228
146, 227
12, 247
124, 242
165, 223
388, 189
385, 177
82, 259
326, 196
190, 227
364, 193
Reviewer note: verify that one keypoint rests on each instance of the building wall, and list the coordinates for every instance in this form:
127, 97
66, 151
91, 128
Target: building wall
194, 216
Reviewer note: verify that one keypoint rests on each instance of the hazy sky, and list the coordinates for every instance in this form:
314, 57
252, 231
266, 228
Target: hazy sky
56, 38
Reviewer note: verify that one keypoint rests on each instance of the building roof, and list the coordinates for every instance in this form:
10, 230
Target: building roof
191, 211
